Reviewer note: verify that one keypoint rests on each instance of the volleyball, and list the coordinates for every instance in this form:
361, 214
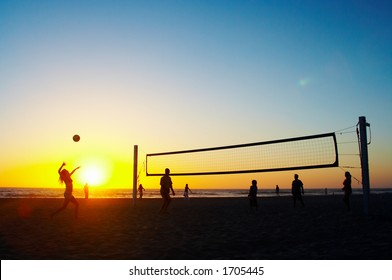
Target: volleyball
76, 138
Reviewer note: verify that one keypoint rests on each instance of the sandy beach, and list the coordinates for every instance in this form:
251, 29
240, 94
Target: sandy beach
201, 228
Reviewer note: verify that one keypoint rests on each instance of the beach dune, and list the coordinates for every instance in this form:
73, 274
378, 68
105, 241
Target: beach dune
201, 228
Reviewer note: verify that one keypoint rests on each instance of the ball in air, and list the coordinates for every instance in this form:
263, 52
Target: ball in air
76, 138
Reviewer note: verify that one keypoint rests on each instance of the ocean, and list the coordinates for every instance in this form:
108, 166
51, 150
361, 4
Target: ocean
154, 193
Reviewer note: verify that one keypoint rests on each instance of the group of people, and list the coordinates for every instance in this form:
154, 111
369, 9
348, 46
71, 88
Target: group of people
65, 177
297, 189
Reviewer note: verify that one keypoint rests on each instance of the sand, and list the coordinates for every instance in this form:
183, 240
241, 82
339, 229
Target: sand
201, 228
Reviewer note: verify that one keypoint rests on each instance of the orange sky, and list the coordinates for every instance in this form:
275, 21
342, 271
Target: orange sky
100, 169
187, 75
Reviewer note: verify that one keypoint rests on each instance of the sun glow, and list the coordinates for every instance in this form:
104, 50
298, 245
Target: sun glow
94, 171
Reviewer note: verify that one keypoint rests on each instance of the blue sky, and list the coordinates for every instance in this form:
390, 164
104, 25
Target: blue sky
187, 74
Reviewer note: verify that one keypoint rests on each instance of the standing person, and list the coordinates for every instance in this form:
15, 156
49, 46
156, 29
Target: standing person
166, 186
277, 190
297, 189
86, 191
65, 177
347, 189
186, 192
253, 196
140, 191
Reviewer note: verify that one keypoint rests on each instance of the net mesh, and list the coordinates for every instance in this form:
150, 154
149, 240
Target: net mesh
316, 151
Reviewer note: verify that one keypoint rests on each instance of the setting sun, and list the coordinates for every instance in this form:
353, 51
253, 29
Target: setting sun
94, 171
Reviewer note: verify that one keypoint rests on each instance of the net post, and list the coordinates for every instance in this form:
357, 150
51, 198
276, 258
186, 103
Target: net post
135, 167
364, 163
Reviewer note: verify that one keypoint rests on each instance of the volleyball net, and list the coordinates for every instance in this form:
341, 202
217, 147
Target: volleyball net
307, 152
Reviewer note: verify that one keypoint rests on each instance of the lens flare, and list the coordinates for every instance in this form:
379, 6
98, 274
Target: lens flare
304, 82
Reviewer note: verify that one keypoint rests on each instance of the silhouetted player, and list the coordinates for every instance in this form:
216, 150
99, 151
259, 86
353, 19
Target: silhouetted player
297, 189
347, 189
187, 190
166, 186
253, 196
65, 177
140, 190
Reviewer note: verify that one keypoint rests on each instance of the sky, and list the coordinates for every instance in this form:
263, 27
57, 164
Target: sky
173, 75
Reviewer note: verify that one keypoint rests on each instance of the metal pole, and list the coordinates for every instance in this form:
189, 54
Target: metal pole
364, 163
135, 155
